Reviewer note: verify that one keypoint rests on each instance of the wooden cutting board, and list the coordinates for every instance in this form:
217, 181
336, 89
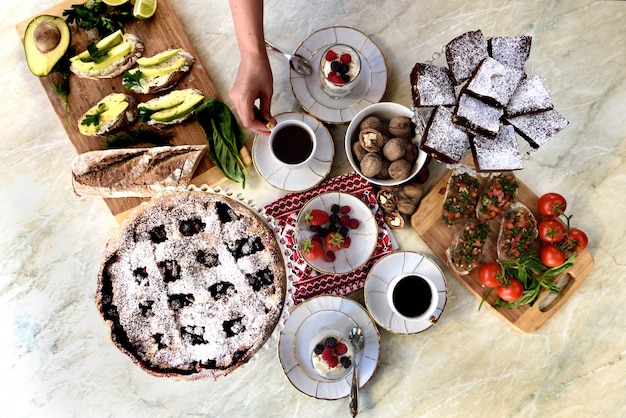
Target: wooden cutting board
428, 224
163, 31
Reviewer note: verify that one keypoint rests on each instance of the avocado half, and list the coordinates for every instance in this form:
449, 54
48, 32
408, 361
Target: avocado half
46, 40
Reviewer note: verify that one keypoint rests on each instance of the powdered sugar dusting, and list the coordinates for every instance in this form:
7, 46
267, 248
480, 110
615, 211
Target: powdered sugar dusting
464, 53
477, 117
531, 96
442, 138
538, 128
499, 154
495, 82
432, 85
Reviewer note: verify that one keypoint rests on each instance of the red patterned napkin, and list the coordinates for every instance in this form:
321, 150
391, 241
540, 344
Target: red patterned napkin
307, 281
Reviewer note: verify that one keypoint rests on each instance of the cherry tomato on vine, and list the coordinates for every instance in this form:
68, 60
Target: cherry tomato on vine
488, 274
551, 230
578, 239
551, 255
551, 205
511, 292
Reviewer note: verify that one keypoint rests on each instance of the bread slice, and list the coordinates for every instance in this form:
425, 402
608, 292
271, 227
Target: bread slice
117, 67
112, 113
135, 172
180, 65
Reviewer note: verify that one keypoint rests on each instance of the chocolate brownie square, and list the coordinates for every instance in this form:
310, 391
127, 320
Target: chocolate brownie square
510, 50
530, 96
538, 128
477, 117
442, 138
499, 154
432, 86
464, 54
495, 83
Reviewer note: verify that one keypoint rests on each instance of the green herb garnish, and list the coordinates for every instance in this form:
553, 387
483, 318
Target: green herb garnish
94, 118
99, 16
133, 79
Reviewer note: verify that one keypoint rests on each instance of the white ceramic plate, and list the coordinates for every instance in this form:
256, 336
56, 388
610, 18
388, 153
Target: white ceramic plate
363, 238
294, 345
370, 87
377, 284
295, 179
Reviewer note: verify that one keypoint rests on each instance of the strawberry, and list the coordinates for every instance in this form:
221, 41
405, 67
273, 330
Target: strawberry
330, 55
333, 362
347, 241
354, 223
345, 209
312, 249
341, 349
330, 256
345, 58
327, 354
334, 241
316, 217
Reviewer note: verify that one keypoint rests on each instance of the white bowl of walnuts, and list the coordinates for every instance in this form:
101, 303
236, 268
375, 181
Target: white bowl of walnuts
382, 144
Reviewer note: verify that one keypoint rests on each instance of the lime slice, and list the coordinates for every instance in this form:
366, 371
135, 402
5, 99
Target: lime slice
114, 2
144, 9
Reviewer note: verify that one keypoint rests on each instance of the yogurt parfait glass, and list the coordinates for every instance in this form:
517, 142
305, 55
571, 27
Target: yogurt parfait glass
340, 68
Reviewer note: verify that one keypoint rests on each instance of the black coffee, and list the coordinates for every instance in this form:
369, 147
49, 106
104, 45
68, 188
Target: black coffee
411, 296
292, 144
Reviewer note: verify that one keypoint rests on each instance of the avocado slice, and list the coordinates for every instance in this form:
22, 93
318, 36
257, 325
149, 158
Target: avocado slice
172, 106
157, 70
117, 52
159, 58
103, 114
104, 44
46, 40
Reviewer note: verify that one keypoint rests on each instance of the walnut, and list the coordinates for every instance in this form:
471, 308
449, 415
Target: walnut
358, 151
371, 140
406, 206
394, 149
384, 170
394, 219
413, 191
411, 153
371, 122
371, 164
400, 169
387, 200
401, 126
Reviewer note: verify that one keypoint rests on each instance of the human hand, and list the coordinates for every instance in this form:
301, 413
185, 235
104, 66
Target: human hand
254, 81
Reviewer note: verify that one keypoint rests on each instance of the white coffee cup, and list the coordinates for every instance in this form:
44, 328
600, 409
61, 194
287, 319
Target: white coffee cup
413, 297
293, 143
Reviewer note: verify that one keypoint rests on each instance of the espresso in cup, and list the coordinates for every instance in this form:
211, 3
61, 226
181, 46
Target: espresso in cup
292, 142
413, 296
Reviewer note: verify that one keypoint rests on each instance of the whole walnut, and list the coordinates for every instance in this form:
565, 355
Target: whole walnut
395, 149
400, 169
413, 190
371, 164
384, 170
411, 153
371, 140
358, 151
371, 122
406, 206
401, 126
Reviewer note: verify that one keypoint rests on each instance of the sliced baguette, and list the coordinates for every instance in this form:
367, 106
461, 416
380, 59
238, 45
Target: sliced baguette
135, 172
149, 84
117, 67
115, 111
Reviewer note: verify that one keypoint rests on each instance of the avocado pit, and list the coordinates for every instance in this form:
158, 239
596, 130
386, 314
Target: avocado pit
46, 37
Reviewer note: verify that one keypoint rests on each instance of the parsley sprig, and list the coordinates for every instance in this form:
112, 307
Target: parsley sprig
133, 79
99, 16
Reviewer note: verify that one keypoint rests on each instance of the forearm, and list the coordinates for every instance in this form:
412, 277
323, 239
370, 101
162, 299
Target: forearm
248, 22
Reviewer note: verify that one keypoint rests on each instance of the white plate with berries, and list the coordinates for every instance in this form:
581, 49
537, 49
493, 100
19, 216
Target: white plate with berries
314, 349
336, 233
370, 86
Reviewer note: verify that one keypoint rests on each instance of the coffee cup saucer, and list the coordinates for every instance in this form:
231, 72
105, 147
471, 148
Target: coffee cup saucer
301, 178
377, 287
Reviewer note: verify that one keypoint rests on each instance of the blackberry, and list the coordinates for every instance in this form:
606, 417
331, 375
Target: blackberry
318, 349
335, 66
315, 228
330, 342
343, 231
335, 208
345, 362
344, 68
333, 218
323, 232
345, 77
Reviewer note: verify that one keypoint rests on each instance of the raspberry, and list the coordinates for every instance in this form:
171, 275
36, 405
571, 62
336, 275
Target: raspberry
330, 342
345, 58
330, 256
344, 220
340, 349
319, 349
347, 241
336, 78
327, 353
354, 223
330, 55
345, 209
345, 362
332, 362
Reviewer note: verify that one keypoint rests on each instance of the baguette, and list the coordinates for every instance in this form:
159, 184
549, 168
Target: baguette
135, 172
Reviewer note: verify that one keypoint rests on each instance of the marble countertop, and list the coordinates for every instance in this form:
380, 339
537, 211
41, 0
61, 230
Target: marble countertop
58, 359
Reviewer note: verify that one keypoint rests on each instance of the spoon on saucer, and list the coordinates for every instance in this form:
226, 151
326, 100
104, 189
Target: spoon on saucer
356, 339
297, 62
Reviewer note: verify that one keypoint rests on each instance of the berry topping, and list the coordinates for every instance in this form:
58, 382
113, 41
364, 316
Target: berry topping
330, 55
347, 241
330, 342
354, 223
327, 353
316, 217
345, 58
335, 208
333, 362
341, 349
319, 349
344, 220
330, 256
345, 209
336, 78
345, 362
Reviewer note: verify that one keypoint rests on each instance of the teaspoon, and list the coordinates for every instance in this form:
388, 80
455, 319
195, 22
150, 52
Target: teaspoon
356, 338
297, 62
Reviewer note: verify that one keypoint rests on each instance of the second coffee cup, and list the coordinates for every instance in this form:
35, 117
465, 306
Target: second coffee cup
293, 143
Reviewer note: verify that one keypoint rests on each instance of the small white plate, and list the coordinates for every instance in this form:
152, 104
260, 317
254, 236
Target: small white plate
377, 285
363, 238
370, 87
298, 179
294, 347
